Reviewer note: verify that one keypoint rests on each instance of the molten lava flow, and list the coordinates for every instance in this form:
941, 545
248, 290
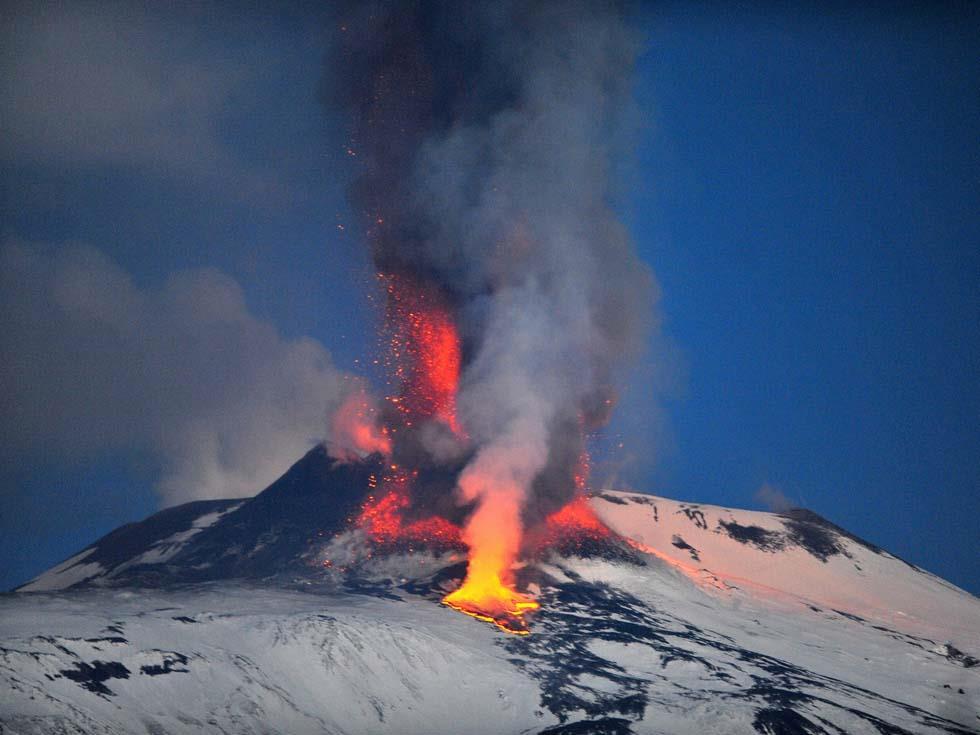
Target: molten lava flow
576, 519
381, 517
488, 592
493, 535
424, 352
488, 598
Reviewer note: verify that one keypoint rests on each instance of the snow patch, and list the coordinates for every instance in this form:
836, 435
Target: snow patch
69, 572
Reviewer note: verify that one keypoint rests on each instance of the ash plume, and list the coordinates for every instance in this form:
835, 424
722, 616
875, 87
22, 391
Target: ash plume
482, 134
96, 365
774, 498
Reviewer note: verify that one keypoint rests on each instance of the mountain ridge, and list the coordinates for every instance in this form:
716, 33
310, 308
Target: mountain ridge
690, 618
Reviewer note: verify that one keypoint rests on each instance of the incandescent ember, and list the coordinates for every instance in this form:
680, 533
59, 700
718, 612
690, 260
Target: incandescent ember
424, 359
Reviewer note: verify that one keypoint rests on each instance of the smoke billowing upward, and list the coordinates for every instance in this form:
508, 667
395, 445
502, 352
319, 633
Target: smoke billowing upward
482, 134
96, 365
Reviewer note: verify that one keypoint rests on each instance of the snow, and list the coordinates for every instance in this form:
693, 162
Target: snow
72, 572
64, 575
864, 582
827, 645
255, 657
167, 548
726, 622
647, 644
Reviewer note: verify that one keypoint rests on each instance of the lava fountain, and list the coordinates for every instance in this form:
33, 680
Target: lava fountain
479, 142
423, 352
424, 360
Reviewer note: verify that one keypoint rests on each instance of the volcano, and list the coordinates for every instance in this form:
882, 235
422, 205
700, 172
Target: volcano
280, 613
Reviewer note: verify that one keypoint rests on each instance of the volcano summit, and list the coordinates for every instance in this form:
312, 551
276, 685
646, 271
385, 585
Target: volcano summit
283, 613
482, 142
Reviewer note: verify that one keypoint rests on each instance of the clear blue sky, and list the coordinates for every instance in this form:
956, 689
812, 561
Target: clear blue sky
805, 187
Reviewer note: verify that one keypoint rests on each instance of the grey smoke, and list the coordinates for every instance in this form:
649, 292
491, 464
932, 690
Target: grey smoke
774, 499
484, 135
94, 364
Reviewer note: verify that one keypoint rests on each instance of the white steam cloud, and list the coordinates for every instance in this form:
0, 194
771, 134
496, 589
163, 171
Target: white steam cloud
94, 364
774, 499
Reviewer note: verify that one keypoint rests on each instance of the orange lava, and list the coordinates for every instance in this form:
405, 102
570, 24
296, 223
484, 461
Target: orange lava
424, 359
572, 528
434, 531
577, 519
492, 601
424, 352
582, 471
493, 534
381, 517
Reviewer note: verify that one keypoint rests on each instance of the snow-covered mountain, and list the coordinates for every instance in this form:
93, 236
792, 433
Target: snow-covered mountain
221, 617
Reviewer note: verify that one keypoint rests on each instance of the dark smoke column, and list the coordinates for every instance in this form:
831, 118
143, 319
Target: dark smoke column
483, 133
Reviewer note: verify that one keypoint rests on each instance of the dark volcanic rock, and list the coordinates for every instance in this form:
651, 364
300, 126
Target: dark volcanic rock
271, 533
92, 676
773, 721
680, 543
603, 726
171, 662
264, 536
755, 535
129, 541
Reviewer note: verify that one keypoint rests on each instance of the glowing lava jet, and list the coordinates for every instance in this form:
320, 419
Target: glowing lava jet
478, 144
355, 428
424, 354
424, 361
493, 534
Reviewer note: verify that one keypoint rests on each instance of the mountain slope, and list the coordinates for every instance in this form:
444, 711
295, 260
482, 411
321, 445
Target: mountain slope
791, 556
220, 617
268, 534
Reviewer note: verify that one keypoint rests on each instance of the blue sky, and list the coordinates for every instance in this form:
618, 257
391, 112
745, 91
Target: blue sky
804, 186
